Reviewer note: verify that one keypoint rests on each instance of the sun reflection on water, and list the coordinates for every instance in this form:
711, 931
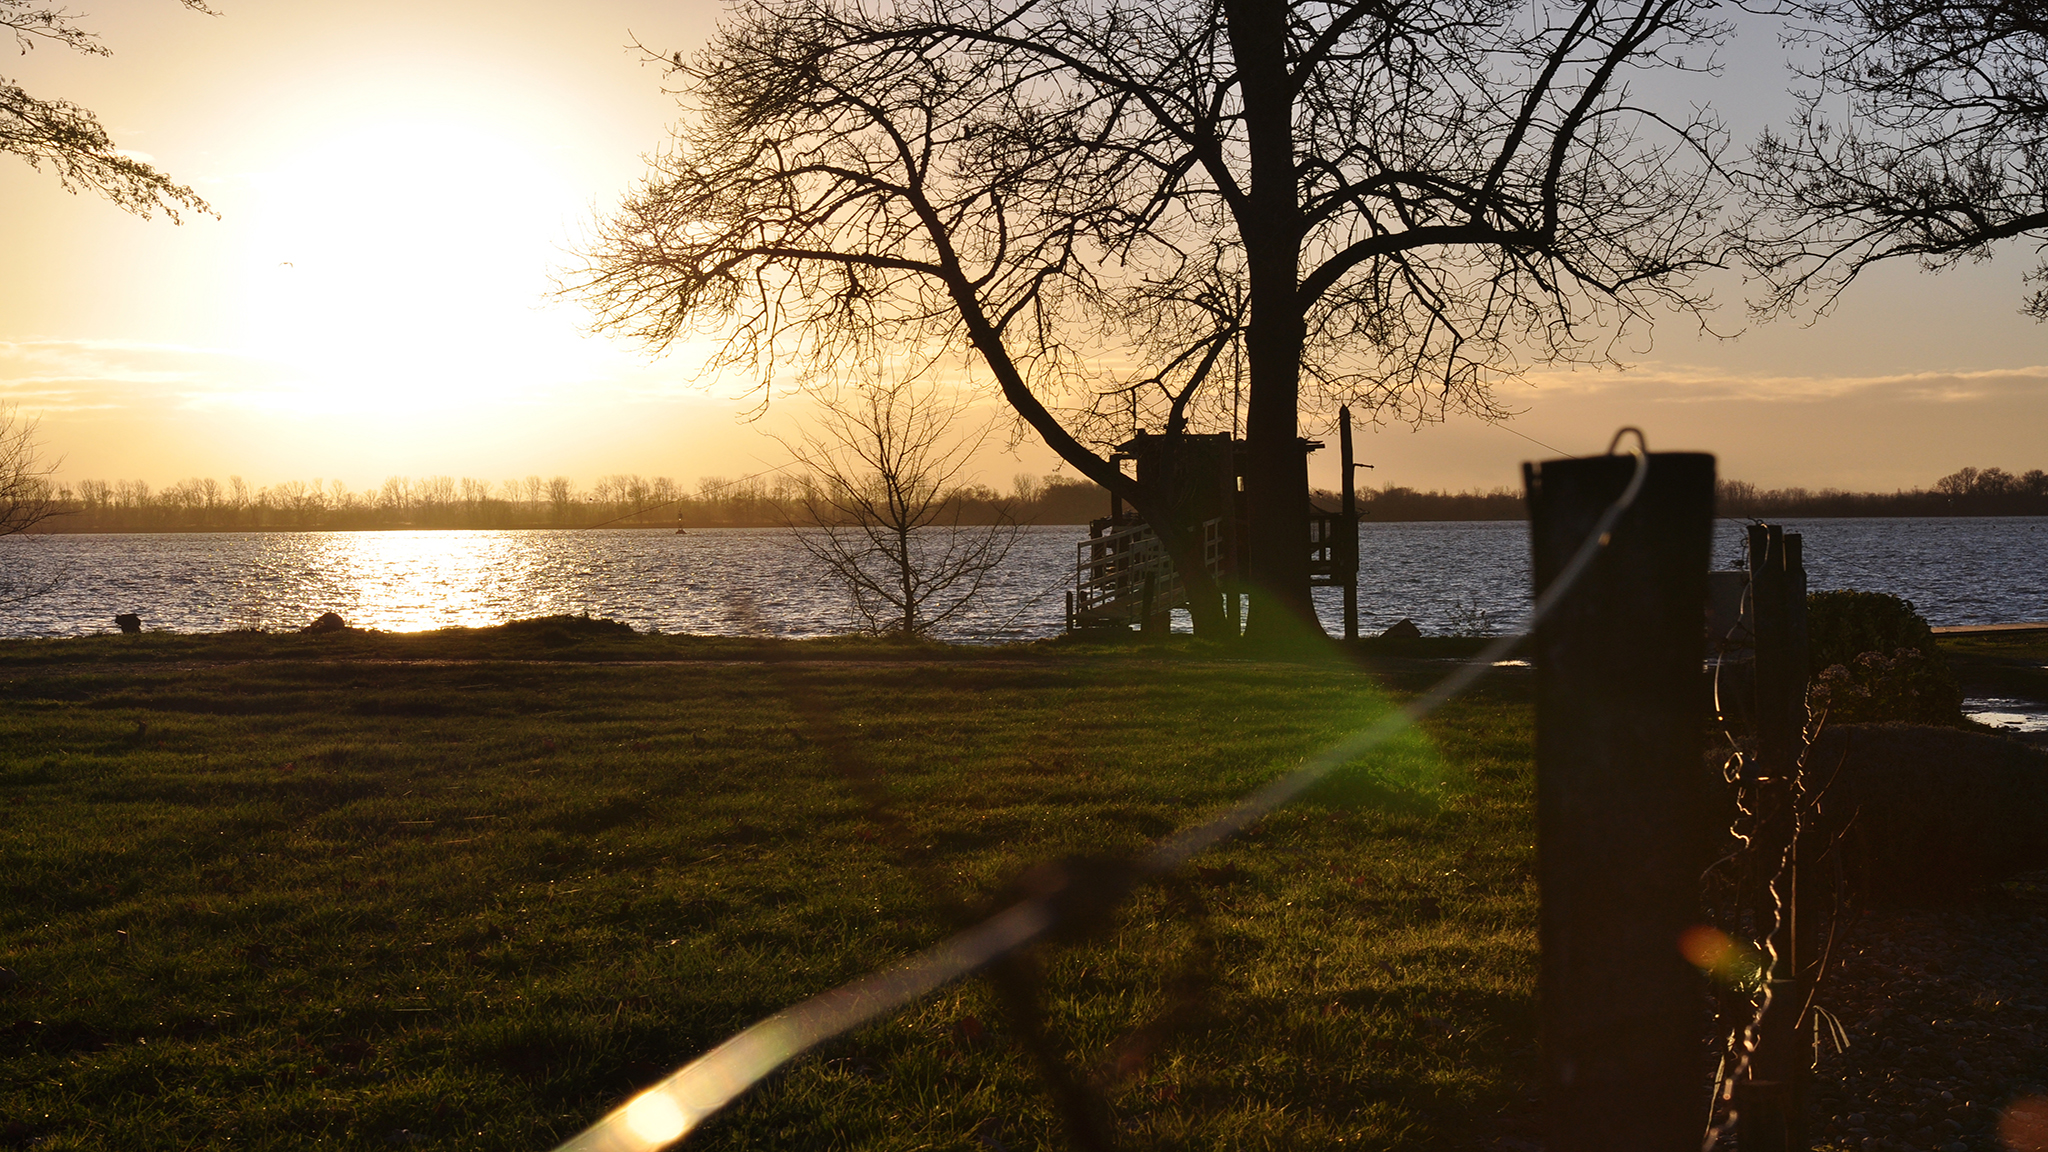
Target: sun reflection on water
729, 582
413, 581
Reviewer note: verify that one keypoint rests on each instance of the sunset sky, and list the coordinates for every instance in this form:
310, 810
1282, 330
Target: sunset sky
395, 182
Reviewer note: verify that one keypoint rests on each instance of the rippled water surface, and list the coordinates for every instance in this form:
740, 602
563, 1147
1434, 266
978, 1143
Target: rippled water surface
1446, 577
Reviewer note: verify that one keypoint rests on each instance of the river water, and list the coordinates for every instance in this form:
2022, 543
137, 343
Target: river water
1447, 577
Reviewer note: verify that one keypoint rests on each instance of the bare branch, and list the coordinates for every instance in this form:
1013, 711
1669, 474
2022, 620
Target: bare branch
1924, 138
69, 138
27, 497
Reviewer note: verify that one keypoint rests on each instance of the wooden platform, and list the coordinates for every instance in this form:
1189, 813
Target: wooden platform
1977, 629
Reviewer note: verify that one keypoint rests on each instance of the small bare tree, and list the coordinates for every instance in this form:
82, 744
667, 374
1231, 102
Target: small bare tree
26, 496
880, 513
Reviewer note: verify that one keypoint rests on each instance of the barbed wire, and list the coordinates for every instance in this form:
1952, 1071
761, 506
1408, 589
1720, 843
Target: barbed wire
1739, 1044
1067, 897
1744, 890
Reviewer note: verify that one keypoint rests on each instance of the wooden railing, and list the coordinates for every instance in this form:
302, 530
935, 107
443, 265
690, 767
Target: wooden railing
1125, 574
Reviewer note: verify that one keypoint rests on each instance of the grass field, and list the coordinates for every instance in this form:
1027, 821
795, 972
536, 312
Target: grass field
2009, 664
470, 889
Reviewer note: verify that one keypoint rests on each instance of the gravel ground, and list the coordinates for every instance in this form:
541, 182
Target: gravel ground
1947, 1019
1946, 1013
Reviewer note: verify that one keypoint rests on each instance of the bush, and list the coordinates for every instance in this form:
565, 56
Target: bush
1930, 815
1873, 659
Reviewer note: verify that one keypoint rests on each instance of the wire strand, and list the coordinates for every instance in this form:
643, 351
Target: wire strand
1535, 441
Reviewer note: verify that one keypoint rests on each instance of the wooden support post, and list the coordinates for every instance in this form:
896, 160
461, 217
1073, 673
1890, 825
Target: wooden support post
1621, 842
1771, 1102
1798, 655
1347, 535
1778, 682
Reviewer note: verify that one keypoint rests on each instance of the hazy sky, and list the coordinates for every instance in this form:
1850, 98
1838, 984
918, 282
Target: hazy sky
395, 182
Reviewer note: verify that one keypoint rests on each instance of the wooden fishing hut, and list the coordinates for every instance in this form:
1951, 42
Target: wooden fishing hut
1122, 573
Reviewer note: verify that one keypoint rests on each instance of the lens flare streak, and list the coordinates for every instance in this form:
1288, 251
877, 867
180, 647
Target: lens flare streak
669, 1110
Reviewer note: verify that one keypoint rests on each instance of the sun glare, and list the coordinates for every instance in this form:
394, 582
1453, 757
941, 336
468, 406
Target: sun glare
402, 264
656, 1119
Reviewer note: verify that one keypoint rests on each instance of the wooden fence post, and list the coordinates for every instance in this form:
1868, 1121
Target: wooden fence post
1771, 1102
1347, 536
1795, 602
1619, 800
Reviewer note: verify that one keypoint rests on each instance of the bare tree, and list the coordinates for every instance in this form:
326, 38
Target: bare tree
1923, 136
69, 138
880, 514
561, 492
27, 498
1288, 202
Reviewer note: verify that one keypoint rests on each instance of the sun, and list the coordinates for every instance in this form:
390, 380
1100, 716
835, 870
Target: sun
405, 261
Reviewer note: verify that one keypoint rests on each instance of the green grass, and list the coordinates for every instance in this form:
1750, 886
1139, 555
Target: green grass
2008, 664
470, 889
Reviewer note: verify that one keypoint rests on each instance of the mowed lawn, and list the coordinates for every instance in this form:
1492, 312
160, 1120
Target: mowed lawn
470, 889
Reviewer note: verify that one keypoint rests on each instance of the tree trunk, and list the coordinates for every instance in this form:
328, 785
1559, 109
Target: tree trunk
907, 575
1276, 478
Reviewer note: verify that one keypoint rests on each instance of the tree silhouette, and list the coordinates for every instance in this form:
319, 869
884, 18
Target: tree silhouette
1153, 213
1936, 148
26, 494
69, 138
27, 498
883, 464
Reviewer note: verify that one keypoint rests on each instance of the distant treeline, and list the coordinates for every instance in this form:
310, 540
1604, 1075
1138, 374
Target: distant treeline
1967, 492
621, 501
631, 501
1394, 504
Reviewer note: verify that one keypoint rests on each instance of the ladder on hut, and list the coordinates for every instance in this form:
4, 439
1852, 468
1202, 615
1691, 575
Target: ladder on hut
1123, 576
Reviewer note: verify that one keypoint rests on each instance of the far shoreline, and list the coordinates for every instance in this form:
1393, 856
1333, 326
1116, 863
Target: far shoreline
50, 528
